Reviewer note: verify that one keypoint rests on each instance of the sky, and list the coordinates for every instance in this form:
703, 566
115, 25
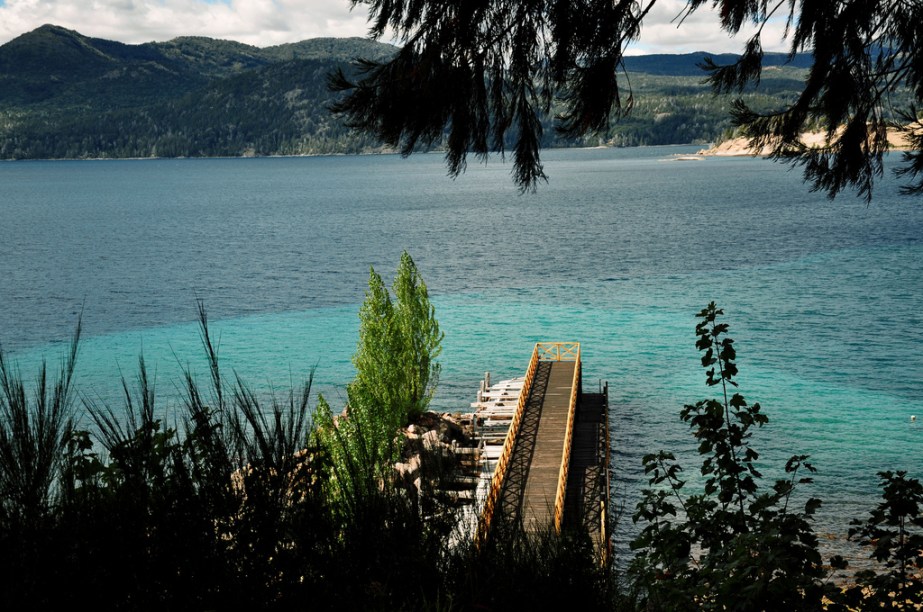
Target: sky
270, 22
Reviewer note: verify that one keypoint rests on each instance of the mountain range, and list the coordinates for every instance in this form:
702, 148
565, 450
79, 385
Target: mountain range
65, 95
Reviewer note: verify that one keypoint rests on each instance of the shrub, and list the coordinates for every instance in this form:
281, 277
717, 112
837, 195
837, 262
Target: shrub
730, 546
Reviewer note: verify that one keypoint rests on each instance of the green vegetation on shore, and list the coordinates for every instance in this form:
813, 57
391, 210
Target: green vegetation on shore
64, 95
396, 376
237, 502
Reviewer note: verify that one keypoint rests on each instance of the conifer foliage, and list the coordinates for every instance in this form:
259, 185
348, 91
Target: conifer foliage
474, 72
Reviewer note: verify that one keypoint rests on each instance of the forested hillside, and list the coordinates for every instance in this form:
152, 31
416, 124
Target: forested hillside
64, 95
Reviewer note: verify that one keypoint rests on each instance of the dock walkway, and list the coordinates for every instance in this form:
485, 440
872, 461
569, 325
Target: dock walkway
552, 472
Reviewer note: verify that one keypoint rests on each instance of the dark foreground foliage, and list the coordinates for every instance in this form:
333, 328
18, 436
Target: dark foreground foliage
481, 71
227, 506
732, 544
227, 509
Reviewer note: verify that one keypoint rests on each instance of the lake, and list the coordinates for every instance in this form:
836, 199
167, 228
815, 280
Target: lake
618, 251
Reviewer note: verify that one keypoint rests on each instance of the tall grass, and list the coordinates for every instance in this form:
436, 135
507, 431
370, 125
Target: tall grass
32, 437
225, 504
34, 432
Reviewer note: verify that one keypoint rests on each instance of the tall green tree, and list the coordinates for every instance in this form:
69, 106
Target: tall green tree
376, 391
395, 360
472, 72
396, 377
419, 337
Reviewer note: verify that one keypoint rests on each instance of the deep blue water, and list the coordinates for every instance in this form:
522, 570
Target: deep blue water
618, 251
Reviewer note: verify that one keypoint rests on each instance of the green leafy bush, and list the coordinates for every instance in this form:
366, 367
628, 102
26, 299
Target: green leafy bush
894, 532
396, 377
732, 545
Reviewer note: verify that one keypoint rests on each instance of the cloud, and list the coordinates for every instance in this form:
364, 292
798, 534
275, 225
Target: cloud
255, 22
269, 22
668, 29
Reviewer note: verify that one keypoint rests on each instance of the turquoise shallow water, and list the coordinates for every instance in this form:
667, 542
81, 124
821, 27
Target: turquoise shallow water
618, 251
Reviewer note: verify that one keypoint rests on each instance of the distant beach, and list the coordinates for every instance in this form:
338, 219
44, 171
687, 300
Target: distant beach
737, 147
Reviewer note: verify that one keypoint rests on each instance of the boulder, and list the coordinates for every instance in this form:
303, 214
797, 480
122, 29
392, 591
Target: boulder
431, 440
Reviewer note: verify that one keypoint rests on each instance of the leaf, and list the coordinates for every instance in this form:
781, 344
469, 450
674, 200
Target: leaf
812, 505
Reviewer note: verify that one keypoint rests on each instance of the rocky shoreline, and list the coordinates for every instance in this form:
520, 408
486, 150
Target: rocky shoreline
439, 453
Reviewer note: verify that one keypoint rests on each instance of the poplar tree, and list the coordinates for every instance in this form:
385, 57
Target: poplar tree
396, 377
419, 340
395, 359
375, 395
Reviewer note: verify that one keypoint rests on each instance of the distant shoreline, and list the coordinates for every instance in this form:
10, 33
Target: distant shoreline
382, 151
155, 158
740, 147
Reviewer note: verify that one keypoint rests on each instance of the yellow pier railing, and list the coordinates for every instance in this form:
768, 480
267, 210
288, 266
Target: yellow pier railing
573, 349
496, 483
543, 351
558, 351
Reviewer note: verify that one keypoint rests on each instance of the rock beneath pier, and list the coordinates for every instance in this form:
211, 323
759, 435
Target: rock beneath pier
430, 458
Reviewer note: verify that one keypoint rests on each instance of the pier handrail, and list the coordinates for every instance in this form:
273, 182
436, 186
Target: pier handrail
568, 436
496, 483
603, 527
558, 351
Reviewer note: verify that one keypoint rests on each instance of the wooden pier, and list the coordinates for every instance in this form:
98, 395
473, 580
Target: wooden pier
552, 470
